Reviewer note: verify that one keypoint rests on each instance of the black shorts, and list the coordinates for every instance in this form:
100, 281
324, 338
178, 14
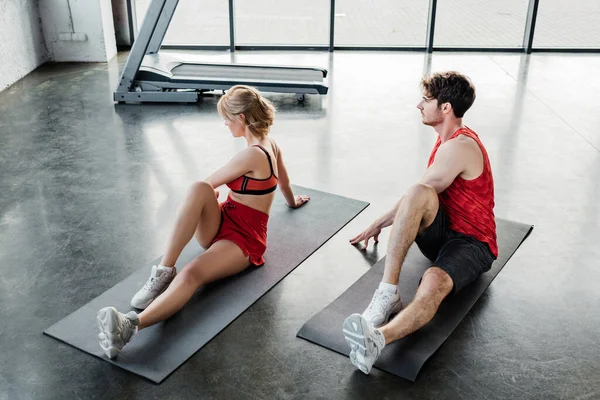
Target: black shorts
461, 256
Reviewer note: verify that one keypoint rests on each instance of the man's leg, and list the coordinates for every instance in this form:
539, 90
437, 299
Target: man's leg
367, 342
416, 212
435, 286
460, 261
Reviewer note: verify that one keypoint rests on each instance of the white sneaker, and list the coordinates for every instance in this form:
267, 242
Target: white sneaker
364, 340
158, 282
116, 329
382, 306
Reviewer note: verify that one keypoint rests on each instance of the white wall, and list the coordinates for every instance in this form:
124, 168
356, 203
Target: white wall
21, 40
90, 17
108, 25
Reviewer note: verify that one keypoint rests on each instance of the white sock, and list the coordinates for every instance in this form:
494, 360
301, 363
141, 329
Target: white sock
168, 269
388, 287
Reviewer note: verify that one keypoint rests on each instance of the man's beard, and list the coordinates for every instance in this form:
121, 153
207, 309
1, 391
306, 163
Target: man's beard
433, 120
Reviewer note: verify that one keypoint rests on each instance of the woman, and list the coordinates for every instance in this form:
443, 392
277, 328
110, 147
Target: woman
233, 233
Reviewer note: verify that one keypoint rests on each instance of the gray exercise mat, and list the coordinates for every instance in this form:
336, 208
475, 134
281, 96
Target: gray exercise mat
293, 236
406, 357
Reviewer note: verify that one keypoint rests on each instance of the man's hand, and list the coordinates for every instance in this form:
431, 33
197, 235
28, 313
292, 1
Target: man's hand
372, 231
300, 200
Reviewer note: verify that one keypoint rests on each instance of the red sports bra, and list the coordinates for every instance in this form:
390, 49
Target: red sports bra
247, 185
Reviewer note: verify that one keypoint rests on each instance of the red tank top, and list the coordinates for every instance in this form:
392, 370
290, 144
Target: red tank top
469, 204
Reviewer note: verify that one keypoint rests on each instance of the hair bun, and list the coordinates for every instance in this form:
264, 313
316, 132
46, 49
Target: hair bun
247, 100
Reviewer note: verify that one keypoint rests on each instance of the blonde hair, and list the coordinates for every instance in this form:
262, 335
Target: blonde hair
259, 112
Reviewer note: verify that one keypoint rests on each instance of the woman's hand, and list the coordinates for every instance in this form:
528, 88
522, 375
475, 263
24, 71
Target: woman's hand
300, 200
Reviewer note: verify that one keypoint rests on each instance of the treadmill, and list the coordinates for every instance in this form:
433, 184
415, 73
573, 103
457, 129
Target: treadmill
152, 77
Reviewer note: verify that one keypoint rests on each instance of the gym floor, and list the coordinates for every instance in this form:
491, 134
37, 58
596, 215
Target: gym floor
89, 191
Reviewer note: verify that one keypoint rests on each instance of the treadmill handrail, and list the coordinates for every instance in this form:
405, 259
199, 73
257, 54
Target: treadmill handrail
158, 71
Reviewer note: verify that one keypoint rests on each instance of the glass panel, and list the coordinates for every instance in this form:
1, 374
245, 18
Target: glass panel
382, 23
141, 6
562, 23
201, 22
480, 23
282, 22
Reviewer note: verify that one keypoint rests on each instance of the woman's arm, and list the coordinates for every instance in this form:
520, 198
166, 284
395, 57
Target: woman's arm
241, 164
284, 181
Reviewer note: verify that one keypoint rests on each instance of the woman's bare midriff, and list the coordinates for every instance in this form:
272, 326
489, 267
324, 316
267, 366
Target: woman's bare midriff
258, 202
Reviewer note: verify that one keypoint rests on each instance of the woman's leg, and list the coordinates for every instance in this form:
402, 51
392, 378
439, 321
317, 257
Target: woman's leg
222, 259
200, 213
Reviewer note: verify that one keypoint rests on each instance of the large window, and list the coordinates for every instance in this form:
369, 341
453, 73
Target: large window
381, 23
282, 22
195, 22
141, 6
564, 23
480, 23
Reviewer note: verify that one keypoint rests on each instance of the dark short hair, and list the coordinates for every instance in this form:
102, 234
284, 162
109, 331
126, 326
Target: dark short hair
450, 87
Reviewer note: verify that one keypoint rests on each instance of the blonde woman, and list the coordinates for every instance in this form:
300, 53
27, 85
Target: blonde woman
234, 233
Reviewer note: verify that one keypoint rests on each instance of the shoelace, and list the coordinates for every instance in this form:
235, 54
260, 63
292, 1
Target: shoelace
375, 342
380, 300
129, 324
130, 329
150, 282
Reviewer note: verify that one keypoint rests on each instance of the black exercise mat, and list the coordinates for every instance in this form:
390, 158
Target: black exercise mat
293, 236
406, 357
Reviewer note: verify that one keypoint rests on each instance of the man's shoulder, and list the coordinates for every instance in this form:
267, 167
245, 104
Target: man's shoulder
462, 148
462, 143
465, 137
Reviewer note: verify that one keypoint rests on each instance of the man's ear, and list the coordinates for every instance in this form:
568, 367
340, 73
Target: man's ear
446, 107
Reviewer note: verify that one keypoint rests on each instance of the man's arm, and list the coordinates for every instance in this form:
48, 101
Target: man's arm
388, 218
375, 228
451, 160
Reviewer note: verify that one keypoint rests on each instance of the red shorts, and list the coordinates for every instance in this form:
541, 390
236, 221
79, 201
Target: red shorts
246, 227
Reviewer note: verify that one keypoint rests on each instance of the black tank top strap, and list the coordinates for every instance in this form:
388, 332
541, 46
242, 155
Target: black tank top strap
268, 157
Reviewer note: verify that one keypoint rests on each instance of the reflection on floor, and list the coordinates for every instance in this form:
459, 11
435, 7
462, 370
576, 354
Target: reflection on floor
89, 191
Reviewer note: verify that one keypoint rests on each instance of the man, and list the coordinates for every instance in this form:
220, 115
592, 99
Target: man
449, 214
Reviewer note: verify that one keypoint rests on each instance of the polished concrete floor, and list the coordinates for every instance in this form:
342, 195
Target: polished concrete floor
88, 191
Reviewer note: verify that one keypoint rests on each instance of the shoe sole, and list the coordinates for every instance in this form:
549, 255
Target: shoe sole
354, 332
107, 321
